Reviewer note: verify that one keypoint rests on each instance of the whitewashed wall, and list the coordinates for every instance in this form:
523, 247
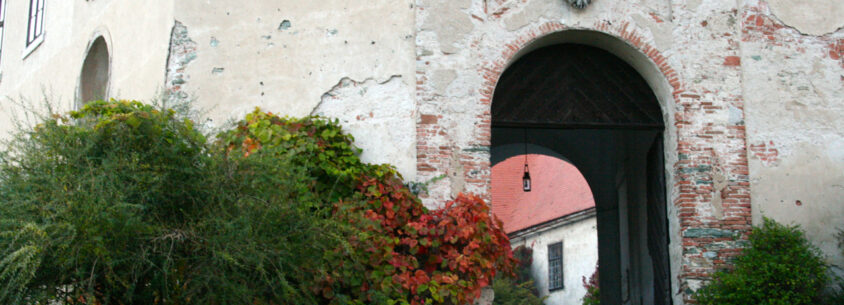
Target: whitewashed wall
580, 256
137, 33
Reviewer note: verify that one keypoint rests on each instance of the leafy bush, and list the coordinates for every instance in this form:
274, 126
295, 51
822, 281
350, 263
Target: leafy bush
518, 289
779, 267
404, 252
509, 292
834, 295
524, 256
122, 203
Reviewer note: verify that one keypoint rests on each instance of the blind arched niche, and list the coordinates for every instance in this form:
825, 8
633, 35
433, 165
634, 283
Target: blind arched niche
93, 83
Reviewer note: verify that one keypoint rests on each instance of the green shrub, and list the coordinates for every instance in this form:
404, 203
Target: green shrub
405, 253
518, 289
122, 203
510, 292
834, 295
779, 267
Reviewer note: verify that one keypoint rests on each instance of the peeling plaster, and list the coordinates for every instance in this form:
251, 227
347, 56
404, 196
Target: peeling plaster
441, 79
661, 30
822, 17
719, 184
297, 63
447, 19
532, 12
456, 174
182, 52
379, 115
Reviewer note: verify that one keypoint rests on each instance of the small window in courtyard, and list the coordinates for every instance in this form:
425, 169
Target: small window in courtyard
35, 28
555, 266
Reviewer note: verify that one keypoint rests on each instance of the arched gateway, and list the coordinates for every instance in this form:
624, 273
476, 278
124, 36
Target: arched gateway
664, 120
594, 109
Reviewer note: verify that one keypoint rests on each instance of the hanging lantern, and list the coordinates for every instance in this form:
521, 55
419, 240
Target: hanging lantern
526, 176
526, 179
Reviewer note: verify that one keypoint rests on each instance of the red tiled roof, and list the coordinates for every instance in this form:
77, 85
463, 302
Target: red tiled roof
558, 189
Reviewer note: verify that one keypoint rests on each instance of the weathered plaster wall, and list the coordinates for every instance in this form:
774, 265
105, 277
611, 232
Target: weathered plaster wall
687, 50
137, 45
413, 81
580, 257
816, 18
792, 59
717, 67
351, 60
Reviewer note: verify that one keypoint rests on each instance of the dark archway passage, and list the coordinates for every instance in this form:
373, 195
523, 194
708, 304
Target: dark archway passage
592, 108
93, 81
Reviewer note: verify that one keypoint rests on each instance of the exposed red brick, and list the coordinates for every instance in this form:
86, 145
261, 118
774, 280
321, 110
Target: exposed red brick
732, 61
694, 142
428, 119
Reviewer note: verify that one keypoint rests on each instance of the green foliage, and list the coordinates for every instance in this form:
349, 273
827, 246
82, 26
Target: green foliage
834, 295
779, 267
318, 146
122, 203
509, 292
403, 253
524, 256
520, 289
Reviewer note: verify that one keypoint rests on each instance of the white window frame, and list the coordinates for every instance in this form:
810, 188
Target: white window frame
35, 28
3, 10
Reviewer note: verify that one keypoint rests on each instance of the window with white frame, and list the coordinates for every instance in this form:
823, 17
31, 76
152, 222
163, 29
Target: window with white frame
555, 266
2, 25
35, 27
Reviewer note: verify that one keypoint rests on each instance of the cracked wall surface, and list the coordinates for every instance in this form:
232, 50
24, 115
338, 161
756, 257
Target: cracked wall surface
752, 91
816, 18
793, 75
750, 105
379, 114
288, 56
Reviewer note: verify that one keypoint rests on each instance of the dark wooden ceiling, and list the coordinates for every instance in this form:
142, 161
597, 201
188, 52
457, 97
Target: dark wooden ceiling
574, 86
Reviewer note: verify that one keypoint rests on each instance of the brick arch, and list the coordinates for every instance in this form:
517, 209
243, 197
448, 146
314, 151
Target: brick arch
690, 202
621, 31
706, 158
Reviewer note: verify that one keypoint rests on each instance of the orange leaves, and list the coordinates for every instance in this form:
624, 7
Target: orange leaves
249, 146
446, 278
